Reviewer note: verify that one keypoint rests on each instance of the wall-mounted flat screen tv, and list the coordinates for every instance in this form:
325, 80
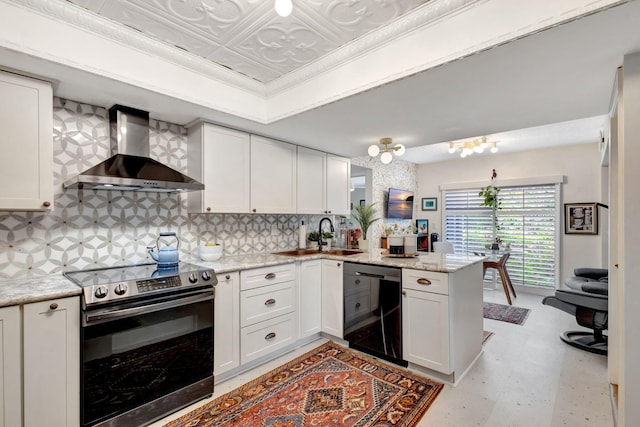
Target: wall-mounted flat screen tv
400, 205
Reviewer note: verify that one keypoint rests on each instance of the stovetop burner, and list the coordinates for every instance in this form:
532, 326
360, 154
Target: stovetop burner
101, 285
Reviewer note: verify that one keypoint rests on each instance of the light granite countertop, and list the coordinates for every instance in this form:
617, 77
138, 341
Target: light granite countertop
445, 263
35, 289
27, 290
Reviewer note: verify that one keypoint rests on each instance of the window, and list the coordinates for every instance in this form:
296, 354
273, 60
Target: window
529, 220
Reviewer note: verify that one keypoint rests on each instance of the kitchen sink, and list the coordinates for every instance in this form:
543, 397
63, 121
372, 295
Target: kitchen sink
301, 252
298, 252
343, 252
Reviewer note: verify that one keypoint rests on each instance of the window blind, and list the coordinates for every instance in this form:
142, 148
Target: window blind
528, 220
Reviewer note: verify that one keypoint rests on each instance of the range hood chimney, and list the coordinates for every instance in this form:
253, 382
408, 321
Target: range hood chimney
130, 167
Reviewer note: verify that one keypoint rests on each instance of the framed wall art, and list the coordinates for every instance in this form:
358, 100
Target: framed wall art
581, 218
430, 204
423, 226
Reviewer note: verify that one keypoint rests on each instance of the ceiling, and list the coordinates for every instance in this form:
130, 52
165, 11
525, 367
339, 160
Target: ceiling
561, 75
246, 36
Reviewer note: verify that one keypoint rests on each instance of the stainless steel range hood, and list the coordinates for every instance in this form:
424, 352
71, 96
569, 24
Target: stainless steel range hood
130, 167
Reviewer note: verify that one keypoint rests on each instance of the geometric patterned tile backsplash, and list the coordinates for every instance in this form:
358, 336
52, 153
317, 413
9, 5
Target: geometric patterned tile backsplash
90, 228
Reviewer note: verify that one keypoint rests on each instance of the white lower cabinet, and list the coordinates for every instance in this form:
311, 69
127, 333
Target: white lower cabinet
51, 351
310, 297
10, 367
332, 297
268, 312
442, 319
227, 323
266, 337
425, 323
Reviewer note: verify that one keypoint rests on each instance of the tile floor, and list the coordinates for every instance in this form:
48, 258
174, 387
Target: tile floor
526, 377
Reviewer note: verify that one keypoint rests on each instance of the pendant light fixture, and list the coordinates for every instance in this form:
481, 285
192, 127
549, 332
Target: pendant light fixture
284, 7
386, 156
466, 148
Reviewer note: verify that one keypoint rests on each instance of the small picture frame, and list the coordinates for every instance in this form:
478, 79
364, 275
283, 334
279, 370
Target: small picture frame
430, 204
423, 226
581, 218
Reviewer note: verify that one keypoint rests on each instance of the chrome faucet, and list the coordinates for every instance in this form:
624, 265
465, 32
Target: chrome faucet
320, 242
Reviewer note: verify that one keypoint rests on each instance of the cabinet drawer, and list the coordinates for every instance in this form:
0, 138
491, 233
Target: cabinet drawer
356, 306
265, 337
266, 302
427, 281
356, 284
257, 277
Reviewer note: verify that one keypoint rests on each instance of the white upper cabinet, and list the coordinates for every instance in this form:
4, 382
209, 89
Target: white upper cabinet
220, 158
273, 176
311, 181
26, 163
338, 195
323, 183
244, 173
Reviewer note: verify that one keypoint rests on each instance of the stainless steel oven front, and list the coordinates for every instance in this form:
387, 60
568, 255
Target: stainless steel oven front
148, 355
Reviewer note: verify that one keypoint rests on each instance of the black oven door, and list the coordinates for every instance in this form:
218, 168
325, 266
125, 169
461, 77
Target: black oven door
143, 360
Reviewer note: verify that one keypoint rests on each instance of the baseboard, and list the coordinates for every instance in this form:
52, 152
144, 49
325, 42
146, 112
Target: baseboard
613, 394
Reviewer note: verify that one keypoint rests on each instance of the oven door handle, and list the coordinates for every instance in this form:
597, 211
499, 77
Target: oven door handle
106, 315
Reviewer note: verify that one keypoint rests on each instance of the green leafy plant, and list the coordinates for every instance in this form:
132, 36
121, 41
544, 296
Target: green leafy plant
326, 235
313, 236
365, 215
491, 198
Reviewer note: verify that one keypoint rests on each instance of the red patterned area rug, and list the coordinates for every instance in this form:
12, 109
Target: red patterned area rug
328, 386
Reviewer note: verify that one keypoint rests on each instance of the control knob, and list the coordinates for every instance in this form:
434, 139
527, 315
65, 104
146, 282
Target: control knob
120, 289
193, 278
101, 292
206, 275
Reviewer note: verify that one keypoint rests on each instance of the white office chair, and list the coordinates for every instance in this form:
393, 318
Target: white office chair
443, 247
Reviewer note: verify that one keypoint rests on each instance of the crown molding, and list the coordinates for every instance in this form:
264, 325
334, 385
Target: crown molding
81, 18
72, 14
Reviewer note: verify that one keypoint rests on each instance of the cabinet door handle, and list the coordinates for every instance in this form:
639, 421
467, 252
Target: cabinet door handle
227, 277
208, 209
270, 301
338, 264
357, 305
270, 276
46, 204
253, 210
53, 306
404, 293
270, 336
423, 281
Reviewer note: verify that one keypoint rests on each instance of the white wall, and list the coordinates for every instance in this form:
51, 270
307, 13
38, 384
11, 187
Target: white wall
580, 164
628, 249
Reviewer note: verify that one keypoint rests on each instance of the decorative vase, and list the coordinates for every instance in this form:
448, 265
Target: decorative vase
363, 244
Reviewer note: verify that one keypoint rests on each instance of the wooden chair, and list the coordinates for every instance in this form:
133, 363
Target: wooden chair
501, 266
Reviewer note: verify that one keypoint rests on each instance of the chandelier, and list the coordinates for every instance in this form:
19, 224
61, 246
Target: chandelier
466, 148
385, 153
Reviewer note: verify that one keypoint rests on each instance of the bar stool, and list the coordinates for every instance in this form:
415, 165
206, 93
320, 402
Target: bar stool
501, 266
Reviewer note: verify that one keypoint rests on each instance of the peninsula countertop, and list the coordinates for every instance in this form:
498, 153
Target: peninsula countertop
34, 289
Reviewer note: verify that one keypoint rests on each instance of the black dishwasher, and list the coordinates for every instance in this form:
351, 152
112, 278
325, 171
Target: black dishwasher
373, 310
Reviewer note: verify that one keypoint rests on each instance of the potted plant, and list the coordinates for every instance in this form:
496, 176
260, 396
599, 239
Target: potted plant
327, 236
312, 238
491, 199
365, 215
